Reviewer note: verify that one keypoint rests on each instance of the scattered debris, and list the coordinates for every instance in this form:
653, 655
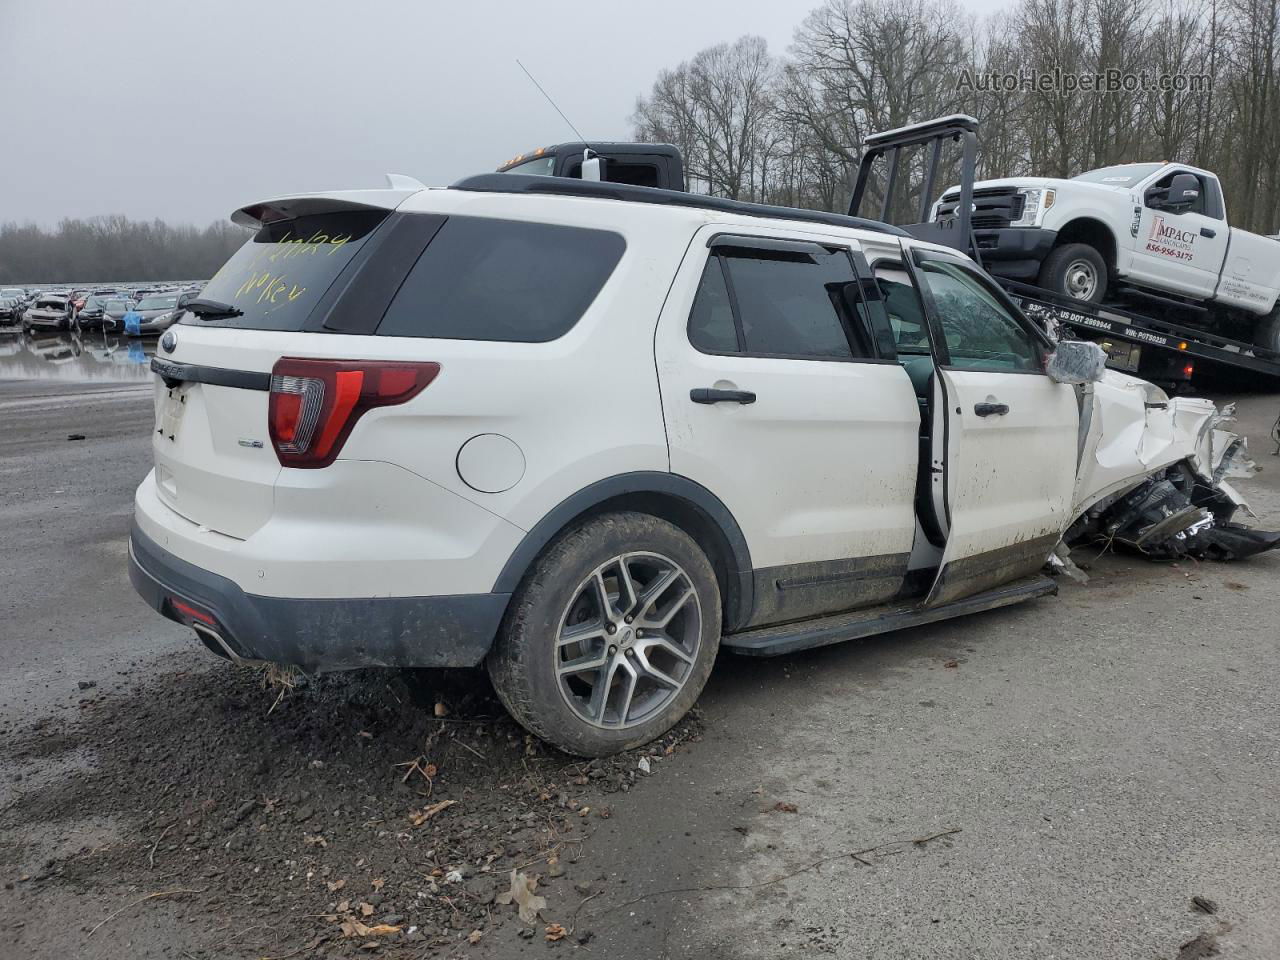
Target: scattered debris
419, 817
474, 937
555, 932
951, 664
784, 807
523, 895
75, 436
1204, 905
643, 765
150, 896
87, 684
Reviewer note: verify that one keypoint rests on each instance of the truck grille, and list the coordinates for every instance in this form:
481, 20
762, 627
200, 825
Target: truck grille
994, 206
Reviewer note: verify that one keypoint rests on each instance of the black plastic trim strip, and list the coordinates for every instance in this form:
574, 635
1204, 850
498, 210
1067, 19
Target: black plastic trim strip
174, 373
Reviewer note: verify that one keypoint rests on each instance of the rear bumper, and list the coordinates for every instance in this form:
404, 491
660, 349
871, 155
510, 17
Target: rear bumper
315, 634
1014, 252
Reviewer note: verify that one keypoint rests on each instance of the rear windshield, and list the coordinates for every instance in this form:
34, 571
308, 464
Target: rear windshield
483, 279
280, 274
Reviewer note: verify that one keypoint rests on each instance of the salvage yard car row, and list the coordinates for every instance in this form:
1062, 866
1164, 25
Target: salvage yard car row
133, 311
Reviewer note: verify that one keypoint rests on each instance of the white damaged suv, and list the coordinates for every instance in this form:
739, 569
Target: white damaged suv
588, 434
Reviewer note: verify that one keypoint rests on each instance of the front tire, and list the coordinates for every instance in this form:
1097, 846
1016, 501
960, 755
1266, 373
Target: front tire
1075, 270
611, 637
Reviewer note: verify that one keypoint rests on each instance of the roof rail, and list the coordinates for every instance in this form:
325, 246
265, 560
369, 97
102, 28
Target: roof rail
603, 190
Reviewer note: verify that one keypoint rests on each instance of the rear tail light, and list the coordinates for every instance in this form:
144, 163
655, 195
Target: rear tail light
315, 403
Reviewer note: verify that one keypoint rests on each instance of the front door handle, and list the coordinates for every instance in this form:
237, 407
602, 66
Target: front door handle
991, 409
1206, 232
709, 395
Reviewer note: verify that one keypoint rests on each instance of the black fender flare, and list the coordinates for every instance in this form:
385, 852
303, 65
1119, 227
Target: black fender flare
740, 592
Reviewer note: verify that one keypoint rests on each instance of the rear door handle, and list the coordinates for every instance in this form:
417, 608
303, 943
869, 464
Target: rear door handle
991, 409
1206, 232
708, 395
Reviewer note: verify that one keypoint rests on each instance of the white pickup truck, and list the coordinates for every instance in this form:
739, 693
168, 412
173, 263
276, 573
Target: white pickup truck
1139, 230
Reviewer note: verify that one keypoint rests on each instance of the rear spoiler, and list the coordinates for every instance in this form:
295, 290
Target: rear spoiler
399, 188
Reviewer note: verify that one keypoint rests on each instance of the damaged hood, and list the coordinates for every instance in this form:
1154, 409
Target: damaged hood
1131, 429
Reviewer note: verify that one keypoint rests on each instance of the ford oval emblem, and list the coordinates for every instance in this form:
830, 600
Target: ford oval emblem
168, 341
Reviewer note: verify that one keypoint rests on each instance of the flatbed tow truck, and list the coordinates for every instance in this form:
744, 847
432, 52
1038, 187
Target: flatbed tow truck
1143, 344
1148, 346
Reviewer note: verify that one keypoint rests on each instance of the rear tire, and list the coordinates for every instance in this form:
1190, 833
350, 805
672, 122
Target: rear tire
1075, 270
1267, 333
626, 681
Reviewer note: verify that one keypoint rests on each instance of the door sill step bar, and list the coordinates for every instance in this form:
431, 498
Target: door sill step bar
788, 638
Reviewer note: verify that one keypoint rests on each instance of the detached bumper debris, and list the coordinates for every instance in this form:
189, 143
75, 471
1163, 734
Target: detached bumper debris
1184, 510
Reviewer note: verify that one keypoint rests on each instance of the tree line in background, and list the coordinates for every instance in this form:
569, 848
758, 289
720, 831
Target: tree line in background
789, 129
114, 248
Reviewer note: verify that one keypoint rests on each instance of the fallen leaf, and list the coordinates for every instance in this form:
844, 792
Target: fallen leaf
344, 906
584, 811
366, 734
951, 664
419, 817
441, 709
377, 883
783, 807
315, 840
474, 936
555, 932
366, 910
336, 885
379, 930
522, 894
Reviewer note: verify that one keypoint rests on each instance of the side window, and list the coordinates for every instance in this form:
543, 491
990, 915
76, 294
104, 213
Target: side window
711, 326
485, 279
902, 304
980, 332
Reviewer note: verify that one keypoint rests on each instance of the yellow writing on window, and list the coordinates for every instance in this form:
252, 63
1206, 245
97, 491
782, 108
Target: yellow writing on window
270, 288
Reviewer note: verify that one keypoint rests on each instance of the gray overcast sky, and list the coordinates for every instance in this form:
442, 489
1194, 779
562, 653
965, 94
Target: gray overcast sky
187, 109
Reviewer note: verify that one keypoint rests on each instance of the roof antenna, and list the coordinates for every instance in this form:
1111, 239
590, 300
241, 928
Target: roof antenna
591, 165
550, 101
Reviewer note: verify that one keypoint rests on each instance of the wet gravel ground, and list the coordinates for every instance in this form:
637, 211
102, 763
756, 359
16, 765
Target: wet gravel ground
1085, 765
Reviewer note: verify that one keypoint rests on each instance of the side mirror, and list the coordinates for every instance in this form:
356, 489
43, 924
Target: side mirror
1076, 361
1181, 194
593, 168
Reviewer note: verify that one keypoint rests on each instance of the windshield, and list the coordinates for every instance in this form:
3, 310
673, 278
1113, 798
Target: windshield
278, 276
158, 303
52, 304
117, 306
93, 303
1122, 176
541, 167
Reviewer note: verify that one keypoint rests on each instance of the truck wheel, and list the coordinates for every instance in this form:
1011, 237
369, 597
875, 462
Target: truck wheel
1075, 270
1267, 335
610, 638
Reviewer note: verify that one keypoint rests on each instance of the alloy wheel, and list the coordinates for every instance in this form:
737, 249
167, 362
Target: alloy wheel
628, 640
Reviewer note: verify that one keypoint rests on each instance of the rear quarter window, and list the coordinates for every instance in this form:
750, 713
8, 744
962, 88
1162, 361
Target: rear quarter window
280, 274
509, 280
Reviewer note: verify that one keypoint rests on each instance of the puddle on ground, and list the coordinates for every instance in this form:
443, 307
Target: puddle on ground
92, 355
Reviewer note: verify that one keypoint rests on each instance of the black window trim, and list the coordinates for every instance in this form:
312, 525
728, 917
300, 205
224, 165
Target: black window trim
790, 245
937, 336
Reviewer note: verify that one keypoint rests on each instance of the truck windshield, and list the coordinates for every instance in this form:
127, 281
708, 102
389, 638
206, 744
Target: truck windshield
1122, 176
539, 167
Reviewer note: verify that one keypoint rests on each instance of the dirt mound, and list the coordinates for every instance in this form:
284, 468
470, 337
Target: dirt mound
351, 813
